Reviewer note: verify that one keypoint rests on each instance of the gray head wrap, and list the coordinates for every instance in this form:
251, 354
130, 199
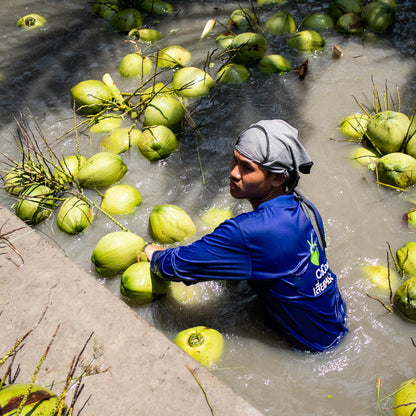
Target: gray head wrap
274, 145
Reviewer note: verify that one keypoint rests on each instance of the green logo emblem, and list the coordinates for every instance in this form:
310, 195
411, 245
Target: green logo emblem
313, 248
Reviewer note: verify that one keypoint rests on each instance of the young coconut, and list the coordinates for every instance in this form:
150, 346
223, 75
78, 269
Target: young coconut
397, 169
170, 224
354, 125
405, 298
173, 56
74, 216
378, 16
306, 41
215, 216
366, 157
14, 181
89, 96
35, 204
134, 64
105, 9
338, 7
107, 122
164, 109
192, 82
387, 130
276, 64
157, 142
159, 7
318, 22
202, 343
233, 74
379, 276
224, 40
139, 285
40, 401
349, 24
406, 258
248, 48
121, 199
101, 170
243, 19
410, 218
31, 21
116, 251
121, 139
68, 168
126, 19
405, 398
281, 23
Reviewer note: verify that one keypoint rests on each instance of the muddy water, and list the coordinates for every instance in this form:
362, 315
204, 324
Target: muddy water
39, 67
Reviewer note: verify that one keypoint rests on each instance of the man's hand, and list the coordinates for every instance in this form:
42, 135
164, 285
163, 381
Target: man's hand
150, 249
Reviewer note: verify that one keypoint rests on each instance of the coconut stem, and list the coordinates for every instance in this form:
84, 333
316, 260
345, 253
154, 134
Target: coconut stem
195, 340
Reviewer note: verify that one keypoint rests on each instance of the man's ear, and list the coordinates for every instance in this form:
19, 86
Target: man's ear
278, 179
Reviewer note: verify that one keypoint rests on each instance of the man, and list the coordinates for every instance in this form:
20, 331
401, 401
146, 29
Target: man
279, 247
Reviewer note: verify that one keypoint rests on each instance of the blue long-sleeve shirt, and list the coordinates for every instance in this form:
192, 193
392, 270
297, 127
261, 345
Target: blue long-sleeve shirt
275, 249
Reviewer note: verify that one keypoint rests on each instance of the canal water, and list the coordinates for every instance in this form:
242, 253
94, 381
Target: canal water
38, 69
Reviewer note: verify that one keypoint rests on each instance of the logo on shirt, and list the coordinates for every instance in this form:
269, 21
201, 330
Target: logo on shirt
313, 248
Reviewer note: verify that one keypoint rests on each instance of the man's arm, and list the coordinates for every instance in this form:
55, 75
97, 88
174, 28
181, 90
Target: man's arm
150, 248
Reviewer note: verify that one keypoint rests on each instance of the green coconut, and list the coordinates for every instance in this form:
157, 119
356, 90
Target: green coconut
165, 110
410, 218
248, 48
397, 169
387, 130
405, 298
159, 7
89, 96
192, 82
134, 64
31, 21
106, 123
349, 24
318, 22
144, 34
101, 170
157, 142
204, 344
306, 41
405, 398
172, 56
170, 224
15, 180
34, 204
243, 19
139, 285
281, 23
378, 16
68, 168
354, 125
40, 402
121, 199
381, 277
121, 139
339, 7
126, 19
116, 251
74, 216
233, 74
105, 8
269, 2
274, 64
224, 40
366, 157
158, 88
406, 258
215, 216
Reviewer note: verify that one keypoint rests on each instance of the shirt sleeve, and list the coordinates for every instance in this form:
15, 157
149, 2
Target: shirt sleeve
220, 255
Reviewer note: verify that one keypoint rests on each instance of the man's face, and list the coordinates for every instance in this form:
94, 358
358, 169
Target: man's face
248, 180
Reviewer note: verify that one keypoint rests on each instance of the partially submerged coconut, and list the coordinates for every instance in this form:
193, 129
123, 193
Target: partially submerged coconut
31, 21
145, 34
106, 123
243, 19
406, 258
405, 398
318, 22
233, 74
68, 168
159, 7
306, 41
397, 169
157, 142
165, 110
248, 48
354, 125
134, 64
126, 19
121, 139
215, 216
281, 23
366, 157
378, 15
121, 199
276, 64
405, 298
192, 82
172, 56
349, 24
89, 96
74, 215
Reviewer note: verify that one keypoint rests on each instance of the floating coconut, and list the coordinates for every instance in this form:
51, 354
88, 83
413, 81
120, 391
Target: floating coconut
139, 285
339, 7
274, 64
192, 82
405, 398
116, 251
318, 22
170, 224
106, 123
157, 7
380, 277
126, 19
40, 401
378, 15
349, 24
366, 157
121, 199
243, 19
406, 258
410, 218
101, 170
224, 40
172, 56
387, 130
89, 96
157, 142
233, 74
31, 21
405, 298
215, 216
158, 88
269, 2
35, 204
248, 48
74, 216
281, 23
121, 139
354, 125
165, 110
68, 168
202, 343
306, 41
105, 9
397, 169
15, 180
144, 34
134, 64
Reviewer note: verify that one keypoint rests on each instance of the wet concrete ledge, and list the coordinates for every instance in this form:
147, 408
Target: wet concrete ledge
135, 369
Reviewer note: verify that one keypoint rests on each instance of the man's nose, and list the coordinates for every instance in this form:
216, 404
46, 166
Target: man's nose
235, 172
